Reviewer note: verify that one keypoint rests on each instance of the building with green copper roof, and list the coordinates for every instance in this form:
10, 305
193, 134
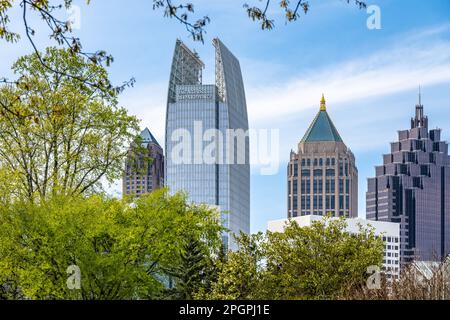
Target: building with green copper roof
322, 128
322, 174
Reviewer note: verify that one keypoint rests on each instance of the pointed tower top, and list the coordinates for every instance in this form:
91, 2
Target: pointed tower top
322, 128
323, 104
148, 138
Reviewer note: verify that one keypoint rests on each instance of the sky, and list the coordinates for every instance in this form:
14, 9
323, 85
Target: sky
370, 77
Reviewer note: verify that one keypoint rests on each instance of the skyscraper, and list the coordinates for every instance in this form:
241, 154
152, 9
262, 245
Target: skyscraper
322, 175
144, 167
204, 122
412, 188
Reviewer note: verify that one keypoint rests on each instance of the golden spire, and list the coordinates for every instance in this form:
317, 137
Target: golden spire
323, 104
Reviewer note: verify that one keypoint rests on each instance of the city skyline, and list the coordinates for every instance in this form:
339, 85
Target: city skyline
372, 75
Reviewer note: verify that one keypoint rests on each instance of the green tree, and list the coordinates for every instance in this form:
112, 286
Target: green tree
188, 275
240, 275
58, 135
317, 262
122, 248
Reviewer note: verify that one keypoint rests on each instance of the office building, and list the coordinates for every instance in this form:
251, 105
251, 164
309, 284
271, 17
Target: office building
412, 188
207, 145
322, 174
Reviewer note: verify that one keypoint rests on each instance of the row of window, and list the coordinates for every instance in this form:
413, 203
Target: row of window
318, 202
330, 186
318, 162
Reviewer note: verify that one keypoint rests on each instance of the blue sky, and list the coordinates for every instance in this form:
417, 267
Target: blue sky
370, 77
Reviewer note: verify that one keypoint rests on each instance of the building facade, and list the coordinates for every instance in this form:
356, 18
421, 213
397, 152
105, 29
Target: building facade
203, 157
144, 167
388, 231
412, 188
322, 174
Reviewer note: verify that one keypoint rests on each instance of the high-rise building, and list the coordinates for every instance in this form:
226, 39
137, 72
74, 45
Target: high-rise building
322, 175
144, 167
207, 144
412, 188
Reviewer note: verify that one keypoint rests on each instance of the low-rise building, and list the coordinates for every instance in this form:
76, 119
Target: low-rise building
388, 231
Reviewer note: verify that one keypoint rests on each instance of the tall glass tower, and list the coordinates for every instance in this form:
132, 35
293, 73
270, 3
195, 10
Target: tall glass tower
412, 187
207, 143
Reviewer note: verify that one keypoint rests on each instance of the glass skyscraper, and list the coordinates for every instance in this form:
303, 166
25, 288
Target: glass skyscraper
322, 174
204, 158
412, 188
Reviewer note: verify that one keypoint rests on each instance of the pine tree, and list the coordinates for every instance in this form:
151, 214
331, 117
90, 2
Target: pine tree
189, 275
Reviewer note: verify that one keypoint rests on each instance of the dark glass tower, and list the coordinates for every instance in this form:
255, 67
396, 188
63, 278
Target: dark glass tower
412, 187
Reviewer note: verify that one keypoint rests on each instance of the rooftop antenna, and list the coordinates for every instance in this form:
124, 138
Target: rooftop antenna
420, 95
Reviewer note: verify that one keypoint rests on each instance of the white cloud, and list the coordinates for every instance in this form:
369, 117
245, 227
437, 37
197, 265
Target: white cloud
148, 103
401, 67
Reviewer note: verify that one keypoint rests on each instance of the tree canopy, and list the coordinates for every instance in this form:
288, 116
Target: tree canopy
59, 135
317, 262
121, 248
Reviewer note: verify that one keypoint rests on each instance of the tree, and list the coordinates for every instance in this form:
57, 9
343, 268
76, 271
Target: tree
317, 262
240, 276
188, 274
58, 135
418, 281
122, 249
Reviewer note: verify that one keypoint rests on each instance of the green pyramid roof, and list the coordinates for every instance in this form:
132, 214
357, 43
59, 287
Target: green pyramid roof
148, 138
322, 128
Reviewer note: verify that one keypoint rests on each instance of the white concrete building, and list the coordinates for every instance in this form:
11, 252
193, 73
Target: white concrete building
389, 231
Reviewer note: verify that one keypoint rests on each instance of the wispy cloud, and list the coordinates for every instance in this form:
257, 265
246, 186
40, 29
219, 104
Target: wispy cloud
413, 60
